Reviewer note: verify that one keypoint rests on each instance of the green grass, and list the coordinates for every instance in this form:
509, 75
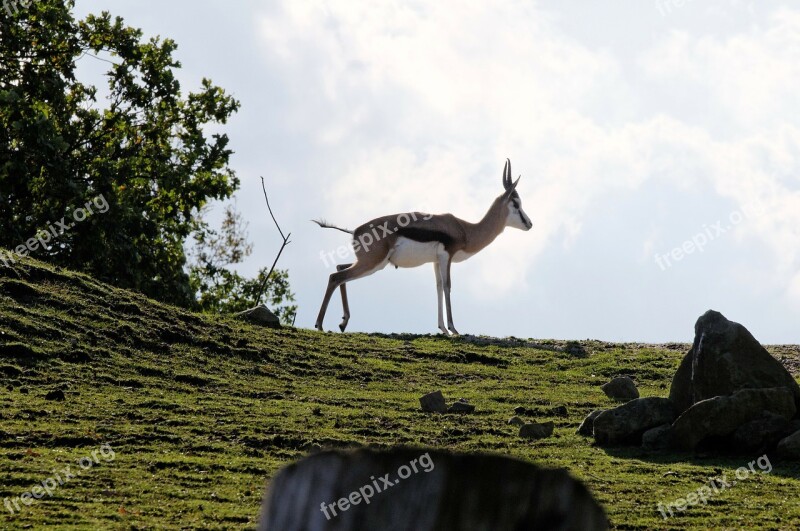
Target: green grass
201, 411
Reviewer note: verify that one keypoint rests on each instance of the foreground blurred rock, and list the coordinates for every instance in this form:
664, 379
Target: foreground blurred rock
728, 394
363, 490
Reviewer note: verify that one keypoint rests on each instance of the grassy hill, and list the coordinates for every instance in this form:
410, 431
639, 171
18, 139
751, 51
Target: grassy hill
199, 412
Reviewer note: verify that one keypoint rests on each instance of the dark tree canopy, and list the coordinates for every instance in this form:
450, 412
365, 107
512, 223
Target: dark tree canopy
145, 153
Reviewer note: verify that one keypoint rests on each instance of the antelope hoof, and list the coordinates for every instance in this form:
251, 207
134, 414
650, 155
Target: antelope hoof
453, 330
444, 330
318, 326
343, 325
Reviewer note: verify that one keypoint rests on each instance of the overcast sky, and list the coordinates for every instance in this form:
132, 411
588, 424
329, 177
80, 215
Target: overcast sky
658, 143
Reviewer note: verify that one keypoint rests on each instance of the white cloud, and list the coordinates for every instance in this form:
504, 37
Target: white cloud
427, 99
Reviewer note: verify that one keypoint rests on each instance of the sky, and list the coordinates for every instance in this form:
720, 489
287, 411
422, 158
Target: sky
658, 143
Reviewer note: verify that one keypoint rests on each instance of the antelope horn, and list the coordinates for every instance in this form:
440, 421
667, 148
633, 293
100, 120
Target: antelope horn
510, 189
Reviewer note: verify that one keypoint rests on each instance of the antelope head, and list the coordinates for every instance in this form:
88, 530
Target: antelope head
516, 216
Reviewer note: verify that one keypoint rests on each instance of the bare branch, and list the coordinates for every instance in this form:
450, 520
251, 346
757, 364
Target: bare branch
284, 244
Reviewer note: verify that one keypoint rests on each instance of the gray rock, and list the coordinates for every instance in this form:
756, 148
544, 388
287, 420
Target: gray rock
260, 315
789, 448
760, 434
658, 438
516, 421
559, 411
621, 388
461, 406
722, 415
625, 424
726, 358
536, 430
587, 426
433, 402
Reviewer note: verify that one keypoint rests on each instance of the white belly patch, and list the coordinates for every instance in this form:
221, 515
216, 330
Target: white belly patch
410, 253
460, 256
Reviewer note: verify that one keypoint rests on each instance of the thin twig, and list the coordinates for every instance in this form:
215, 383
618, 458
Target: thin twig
284, 244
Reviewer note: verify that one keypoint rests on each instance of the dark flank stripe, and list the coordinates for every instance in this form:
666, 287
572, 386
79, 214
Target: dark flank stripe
424, 235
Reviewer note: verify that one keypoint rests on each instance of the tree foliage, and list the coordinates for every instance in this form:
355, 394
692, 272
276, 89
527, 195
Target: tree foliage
146, 149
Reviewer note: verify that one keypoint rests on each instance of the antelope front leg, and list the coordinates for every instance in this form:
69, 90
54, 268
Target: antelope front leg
444, 270
439, 295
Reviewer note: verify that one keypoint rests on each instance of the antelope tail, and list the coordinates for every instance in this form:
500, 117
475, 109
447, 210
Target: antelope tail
322, 223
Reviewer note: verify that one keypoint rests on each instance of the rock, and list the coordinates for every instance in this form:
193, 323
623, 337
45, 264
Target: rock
519, 410
447, 491
559, 411
789, 448
625, 424
658, 438
536, 430
726, 358
516, 421
760, 434
433, 402
57, 395
722, 415
260, 315
621, 388
587, 426
461, 406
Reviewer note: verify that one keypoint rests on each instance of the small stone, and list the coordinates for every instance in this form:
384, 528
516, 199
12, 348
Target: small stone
789, 448
516, 421
461, 406
260, 315
519, 410
559, 411
658, 438
621, 388
57, 395
587, 426
433, 402
536, 430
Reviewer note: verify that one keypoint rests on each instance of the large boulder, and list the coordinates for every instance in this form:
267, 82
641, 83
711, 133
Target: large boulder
722, 415
626, 424
428, 490
725, 358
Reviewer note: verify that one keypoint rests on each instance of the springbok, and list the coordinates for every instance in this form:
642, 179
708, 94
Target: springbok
412, 239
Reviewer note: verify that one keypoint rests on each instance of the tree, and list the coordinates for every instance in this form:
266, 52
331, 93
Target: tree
146, 153
220, 290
